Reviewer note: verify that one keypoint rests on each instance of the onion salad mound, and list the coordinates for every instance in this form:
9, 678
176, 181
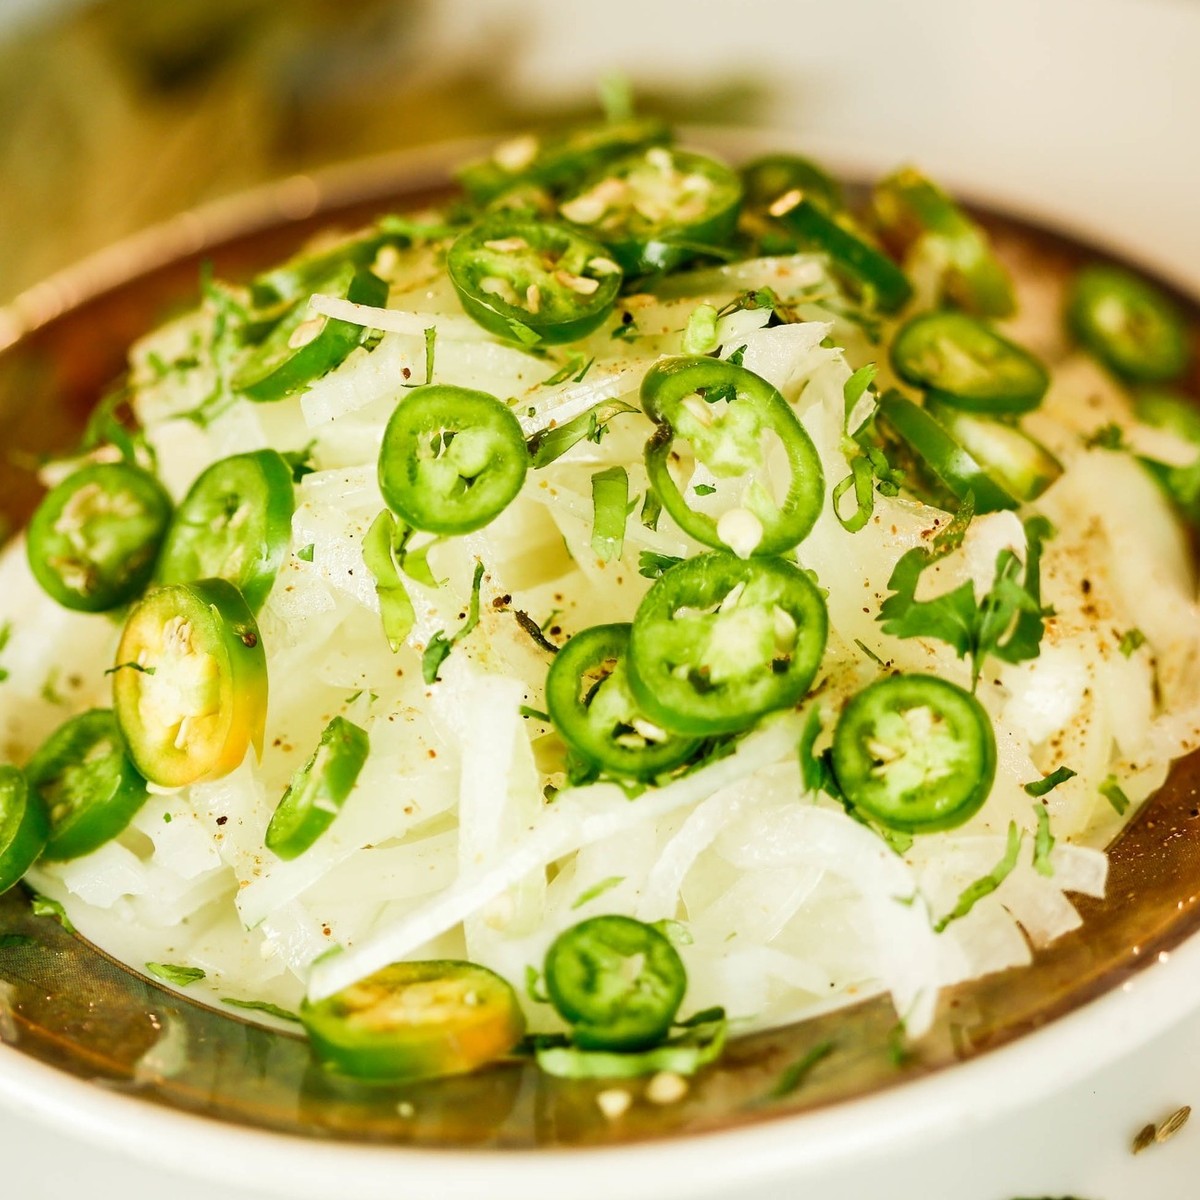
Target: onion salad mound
640, 601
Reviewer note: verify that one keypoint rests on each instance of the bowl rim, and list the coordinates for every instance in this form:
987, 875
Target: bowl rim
923, 1111
920, 1113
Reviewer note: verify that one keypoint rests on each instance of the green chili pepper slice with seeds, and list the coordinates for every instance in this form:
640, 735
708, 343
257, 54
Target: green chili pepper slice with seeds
732, 420
617, 981
452, 459
915, 753
94, 539
415, 1020
531, 281
775, 179
659, 208
910, 209
963, 362
302, 347
90, 788
557, 160
1128, 324
592, 706
235, 523
719, 641
190, 683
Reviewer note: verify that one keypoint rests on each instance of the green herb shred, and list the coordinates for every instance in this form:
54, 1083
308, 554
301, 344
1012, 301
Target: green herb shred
176, 975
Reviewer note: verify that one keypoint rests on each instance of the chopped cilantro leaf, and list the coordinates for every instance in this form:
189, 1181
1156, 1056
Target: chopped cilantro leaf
1040, 787
440, 645
1007, 623
704, 489
1130, 641
596, 890
551, 443
652, 565
305, 553
1112, 792
263, 1006
43, 906
792, 1077
973, 893
178, 976
574, 369
1107, 437
1043, 842
50, 692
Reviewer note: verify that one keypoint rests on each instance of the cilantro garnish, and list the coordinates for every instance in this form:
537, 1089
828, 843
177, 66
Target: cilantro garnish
652, 565
1130, 641
1007, 623
596, 890
985, 886
179, 976
1111, 790
263, 1006
1043, 842
793, 1077
1040, 787
440, 645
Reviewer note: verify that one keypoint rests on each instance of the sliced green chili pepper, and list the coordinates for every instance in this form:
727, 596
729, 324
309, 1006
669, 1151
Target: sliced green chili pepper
310, 270
591, 704
452, 459
658, 208
718, 641
944, 462
235, 523
301, 348
415, 1020
558, 160
319, 789
963, 362
1128, 324
850, 252
531, 281
94, 538
1019, 463
772, 180
915, 753
617, 981
733, 420
24, 827
87, 783
190, 685
910, 208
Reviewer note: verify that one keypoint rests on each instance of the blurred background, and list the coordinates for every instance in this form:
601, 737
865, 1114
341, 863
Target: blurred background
118, 113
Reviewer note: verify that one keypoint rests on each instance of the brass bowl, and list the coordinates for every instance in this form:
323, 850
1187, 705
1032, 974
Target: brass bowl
73, 1008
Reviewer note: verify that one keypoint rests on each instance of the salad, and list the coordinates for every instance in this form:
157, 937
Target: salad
639, 600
